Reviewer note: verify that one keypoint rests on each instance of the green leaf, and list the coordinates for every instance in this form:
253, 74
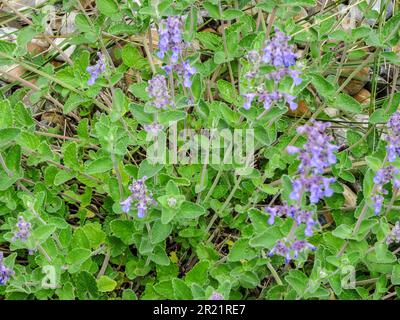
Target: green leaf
132, 57
396, 274
373, 163
181, 290
8, 135
231, 14
63, 176
77, 256
99, 166
241, 251
210, 40
198, 274
43, 232
190, 210
343, 231
297, 280
106, 284
124, 230
139, 91
107, 7
227, 91
166, 117
323, 86
149, 170
74, 101
347, 103
212, 10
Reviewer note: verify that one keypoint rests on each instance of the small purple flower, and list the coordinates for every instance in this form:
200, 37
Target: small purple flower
316, 155
278, 52
381, 178
249, 99
216, 296
153, 128
23, 230
394, 235
170, 32
294, 212
126, 204
5, 273
186, 71
158, 91
393, 137
141, 195
291, 251
299, 246
281, 249
96, 70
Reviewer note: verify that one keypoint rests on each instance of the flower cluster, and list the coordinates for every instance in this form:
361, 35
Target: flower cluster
184, 70
278, 53
394, 235
393, 137
96, 70
388, 173
5, 273
216, 296
23, 229
316, 155
382, 177
290, 250
298, 215
153, 128
170, 32
171, 40
268, 98
158, 91
141, 195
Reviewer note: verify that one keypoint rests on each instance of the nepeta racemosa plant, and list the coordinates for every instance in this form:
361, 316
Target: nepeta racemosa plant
388, 173
140, 195
171, 46
5, 272
96, 70
264, 86
315, 156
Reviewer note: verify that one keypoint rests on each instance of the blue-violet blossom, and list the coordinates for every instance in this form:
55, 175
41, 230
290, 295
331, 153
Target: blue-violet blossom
141, 195
5, 273
96, 70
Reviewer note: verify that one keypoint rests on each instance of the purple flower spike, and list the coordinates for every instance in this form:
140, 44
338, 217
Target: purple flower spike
316, 155
23, 230
96, 70
5, 273
278, 53
158, 91
170, 32
216, 296
153, 128
141, 195
393, 137
394, 235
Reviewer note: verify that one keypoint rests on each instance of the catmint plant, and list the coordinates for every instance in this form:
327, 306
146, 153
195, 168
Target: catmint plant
315, 156
171, 42
139, 194
388, 173
23, 229
282, 57
158, 92
5, 273
96, 70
